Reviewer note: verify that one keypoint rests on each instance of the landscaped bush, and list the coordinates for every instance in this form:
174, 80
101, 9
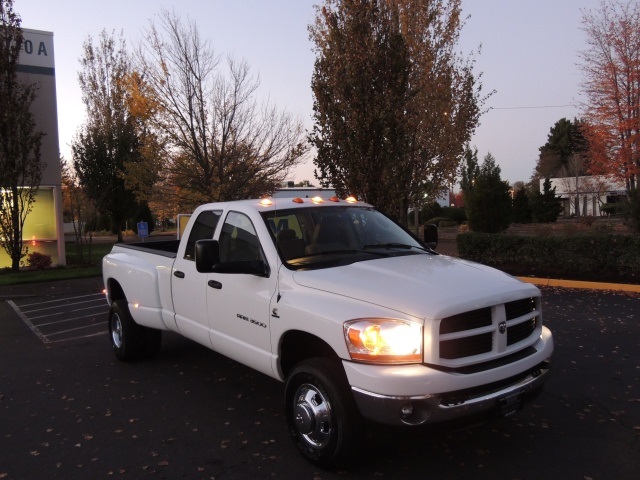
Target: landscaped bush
38, 261
455, 214
582, 254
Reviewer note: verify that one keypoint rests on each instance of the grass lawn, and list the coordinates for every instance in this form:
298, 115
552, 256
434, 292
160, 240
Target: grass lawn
74, 268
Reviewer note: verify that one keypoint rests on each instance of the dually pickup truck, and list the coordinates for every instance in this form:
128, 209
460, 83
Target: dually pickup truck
361, 320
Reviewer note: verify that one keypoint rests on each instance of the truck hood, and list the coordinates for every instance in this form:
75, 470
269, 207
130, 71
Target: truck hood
424, 286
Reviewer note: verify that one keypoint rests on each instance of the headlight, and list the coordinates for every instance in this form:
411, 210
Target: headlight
383, 340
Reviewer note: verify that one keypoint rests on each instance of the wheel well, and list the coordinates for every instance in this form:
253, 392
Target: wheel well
115, 290
297, 346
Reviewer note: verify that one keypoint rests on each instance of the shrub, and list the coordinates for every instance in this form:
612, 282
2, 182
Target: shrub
39, 261
456, 214
591, 254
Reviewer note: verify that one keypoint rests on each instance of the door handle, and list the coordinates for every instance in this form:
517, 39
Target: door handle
178, 274
214, 284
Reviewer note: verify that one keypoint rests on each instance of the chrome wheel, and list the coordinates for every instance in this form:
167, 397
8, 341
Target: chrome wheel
312, 415
116, 330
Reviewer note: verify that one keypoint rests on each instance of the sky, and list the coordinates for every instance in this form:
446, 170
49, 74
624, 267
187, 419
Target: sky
529, 56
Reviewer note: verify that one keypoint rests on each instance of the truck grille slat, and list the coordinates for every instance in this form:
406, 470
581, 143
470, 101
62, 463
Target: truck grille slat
466, 347
466, 321
519, 308
521, 331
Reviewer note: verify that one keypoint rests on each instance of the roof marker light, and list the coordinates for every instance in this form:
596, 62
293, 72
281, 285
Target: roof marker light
297, 200
334, 199
317, 200
266, 202
351, 199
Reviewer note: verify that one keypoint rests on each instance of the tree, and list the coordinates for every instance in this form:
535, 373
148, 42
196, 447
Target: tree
220, 144
545, 205
487, 199
611, 86
20, 162
78, 210
106, 147
394, 104
521, 212
564, 142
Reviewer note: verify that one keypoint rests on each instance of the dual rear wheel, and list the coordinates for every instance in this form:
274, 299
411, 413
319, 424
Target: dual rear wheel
129, 340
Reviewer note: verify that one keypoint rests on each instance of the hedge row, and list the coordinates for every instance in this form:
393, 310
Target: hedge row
579, 254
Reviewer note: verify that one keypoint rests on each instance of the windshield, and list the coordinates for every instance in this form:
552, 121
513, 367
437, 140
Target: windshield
328, 236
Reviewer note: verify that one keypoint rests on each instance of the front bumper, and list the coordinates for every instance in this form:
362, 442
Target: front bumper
502, 398
418, 394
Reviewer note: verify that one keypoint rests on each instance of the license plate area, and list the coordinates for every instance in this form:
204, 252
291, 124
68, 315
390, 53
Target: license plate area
510, 403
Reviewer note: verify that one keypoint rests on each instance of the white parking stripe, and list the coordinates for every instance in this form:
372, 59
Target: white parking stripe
63, 299
28, 322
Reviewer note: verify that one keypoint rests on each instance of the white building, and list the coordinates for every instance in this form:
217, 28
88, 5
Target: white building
588, 194
43, 228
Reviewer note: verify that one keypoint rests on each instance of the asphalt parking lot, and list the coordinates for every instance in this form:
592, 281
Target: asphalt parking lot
68, 409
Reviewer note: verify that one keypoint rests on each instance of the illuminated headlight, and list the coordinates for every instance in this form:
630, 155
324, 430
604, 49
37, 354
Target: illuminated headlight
383, 340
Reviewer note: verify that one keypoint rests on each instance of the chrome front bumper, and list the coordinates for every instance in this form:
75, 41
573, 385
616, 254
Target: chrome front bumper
427, 409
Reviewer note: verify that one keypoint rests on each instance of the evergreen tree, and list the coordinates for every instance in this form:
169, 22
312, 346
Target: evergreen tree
521, 209
488, 201
545, 205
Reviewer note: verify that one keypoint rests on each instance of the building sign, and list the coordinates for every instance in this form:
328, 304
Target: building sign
36, 55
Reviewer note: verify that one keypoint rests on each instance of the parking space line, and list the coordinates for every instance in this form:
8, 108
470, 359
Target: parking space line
48, 319
24, 318
62, 299
62, 313
56, 322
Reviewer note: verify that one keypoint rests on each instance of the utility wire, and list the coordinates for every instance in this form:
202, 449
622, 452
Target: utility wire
533, 107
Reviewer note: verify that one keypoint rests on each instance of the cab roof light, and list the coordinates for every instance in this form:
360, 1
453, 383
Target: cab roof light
317, 200
334, 199
266, 202
297, 200
351, 199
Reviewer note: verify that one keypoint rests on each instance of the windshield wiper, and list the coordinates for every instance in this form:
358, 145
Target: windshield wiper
403, 246
344, 251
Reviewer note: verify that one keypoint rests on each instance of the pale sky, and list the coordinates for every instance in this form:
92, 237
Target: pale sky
529, 56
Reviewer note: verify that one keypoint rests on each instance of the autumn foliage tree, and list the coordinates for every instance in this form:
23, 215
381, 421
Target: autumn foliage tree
611, 85
394, 104
107, 145
20, 141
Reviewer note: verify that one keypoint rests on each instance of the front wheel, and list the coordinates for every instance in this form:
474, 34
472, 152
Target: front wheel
322, 419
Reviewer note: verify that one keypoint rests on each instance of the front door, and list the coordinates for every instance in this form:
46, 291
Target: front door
238, 304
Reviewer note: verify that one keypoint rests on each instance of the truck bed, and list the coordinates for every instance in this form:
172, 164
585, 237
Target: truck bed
166, 248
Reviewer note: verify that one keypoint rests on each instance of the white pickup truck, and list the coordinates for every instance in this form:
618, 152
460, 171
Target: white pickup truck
359, 318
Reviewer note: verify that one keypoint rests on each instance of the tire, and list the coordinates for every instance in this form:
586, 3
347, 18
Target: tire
321, 415
126, 336
152, 339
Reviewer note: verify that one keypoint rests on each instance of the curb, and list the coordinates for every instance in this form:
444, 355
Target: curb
549, 282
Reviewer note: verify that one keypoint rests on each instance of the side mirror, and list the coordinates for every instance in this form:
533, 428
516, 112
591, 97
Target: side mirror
431, 236
207, 255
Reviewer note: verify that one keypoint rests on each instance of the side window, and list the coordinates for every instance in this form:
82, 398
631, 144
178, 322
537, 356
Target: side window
202, 229
238, 239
